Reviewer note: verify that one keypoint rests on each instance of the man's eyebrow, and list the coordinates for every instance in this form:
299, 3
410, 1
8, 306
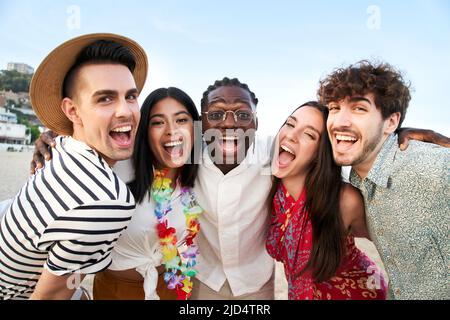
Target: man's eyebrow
133, 91
105, 92
114, 92
357, 99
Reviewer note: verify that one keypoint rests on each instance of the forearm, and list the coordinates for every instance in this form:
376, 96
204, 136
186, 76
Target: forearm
52, 287
60, 294
425, 135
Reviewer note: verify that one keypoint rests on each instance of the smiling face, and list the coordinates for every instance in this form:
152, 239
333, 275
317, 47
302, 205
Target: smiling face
170, 133
357, 131
230, 139
298, 143
104, 110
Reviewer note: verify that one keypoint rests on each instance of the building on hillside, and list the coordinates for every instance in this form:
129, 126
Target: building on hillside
9, 95
7, 117
19, 98
20, 67
13, 136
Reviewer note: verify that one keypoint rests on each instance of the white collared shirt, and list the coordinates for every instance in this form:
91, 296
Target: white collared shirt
234, 224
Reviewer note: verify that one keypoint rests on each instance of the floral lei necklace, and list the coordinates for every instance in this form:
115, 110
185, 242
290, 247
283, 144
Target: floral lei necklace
178, 262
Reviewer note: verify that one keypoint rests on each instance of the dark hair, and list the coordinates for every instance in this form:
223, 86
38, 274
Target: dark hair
323, 184
226, 82
391, 92
143, 157
101, 51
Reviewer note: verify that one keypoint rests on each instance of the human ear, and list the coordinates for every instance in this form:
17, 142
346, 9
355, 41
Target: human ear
70, 109
391, 123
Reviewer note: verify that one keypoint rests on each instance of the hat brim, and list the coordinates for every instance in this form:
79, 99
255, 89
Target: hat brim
46, 84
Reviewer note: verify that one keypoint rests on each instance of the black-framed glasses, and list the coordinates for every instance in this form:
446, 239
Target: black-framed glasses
241, 117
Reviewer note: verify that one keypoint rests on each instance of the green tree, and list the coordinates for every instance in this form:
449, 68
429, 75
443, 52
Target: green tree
34, 130
14, 81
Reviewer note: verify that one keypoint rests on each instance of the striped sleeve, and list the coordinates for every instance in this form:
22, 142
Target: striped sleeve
82, 240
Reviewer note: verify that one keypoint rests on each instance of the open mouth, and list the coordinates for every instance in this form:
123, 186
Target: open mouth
174, 148
229, 143
122, 135
344, 141
285, 156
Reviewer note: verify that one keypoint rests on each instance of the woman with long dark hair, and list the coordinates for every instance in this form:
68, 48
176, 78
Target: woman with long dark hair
155, 257
315, 216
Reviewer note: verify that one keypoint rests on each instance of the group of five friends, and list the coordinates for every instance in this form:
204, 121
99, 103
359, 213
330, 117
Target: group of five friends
161, 207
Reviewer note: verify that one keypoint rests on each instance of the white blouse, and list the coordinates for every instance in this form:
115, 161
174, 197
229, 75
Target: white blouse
138, 247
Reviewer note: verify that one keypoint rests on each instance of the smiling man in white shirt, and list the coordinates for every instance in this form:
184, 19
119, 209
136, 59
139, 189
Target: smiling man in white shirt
233, 185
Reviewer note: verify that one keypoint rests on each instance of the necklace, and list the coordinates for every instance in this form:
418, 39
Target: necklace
179, 262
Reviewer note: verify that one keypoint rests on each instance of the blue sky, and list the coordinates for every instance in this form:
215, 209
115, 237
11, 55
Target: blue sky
279, 48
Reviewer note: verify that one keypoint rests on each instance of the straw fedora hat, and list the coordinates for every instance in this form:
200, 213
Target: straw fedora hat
47, 82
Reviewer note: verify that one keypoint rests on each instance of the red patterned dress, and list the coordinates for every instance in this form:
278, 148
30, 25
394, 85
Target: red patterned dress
290, 241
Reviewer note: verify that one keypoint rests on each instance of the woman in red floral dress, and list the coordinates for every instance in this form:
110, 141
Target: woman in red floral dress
315, 216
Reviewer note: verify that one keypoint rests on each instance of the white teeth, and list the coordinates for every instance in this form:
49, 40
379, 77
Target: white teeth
122, 129
229, 138
345, 138
287, 150
173, 143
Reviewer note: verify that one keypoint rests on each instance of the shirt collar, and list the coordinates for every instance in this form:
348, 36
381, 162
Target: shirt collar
381, 170
81, 148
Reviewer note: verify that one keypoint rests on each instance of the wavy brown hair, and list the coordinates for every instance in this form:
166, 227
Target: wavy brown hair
392, 92
323, 184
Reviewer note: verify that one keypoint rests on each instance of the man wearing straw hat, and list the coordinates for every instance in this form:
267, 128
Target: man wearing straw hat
65, 220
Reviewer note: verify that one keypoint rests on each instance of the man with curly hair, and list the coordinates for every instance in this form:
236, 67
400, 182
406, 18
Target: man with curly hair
406, 193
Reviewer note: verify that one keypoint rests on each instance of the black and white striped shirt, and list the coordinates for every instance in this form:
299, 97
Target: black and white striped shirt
66, 218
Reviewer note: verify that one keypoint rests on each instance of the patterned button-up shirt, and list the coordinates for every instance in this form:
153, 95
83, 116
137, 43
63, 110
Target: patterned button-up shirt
407, 199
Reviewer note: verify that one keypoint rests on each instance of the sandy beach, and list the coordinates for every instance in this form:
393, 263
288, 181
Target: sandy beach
14, 172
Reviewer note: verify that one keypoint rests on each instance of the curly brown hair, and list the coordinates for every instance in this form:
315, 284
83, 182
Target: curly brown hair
392, 93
